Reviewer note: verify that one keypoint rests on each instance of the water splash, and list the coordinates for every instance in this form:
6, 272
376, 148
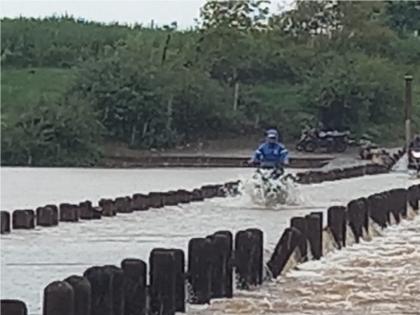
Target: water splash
263, 191
402, 167
374, 277
402, 164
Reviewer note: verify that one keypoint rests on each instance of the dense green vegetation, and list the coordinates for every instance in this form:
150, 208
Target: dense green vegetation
20, 87
68, 85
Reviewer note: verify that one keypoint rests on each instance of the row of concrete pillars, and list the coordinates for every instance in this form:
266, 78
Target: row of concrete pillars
51, 215
128, 290
216, 264
312, 177
304, 239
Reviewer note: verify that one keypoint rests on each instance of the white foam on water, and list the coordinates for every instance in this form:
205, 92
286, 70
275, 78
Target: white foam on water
381, 276
270, 194
402, 164
31, 259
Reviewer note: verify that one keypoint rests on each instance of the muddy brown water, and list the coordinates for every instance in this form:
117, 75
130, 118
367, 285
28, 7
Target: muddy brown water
32, 259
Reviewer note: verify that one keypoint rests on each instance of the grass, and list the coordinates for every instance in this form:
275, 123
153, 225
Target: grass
21, 88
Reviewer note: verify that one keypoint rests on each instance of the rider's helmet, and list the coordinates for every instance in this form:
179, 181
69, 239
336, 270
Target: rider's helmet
272, 135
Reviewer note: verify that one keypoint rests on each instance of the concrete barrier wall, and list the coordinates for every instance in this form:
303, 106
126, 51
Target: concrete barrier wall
312, 177
215, 261
203, 161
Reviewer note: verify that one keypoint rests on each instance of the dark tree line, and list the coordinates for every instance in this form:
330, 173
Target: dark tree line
240, 69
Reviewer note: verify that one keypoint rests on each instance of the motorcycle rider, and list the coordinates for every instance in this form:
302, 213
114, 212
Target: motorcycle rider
414, 146
415, 143
272, 154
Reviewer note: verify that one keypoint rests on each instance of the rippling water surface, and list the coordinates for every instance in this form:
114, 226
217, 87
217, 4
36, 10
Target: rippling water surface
32, 259
377, 277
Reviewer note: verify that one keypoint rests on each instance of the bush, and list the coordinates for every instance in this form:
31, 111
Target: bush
65, 133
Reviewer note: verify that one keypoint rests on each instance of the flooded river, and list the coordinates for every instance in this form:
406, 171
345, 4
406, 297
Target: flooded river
377, 277
32, 259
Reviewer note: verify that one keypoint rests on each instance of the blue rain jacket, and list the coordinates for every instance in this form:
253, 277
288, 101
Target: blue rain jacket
271, 155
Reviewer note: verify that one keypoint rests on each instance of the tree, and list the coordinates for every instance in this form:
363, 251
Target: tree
144, 89
240, 15
227, 30
357, 92
308, 19
403, 16
241, 68
62, 134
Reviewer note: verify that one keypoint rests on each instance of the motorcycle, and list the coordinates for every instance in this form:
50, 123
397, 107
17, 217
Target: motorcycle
272, 187
332, 141
414, 161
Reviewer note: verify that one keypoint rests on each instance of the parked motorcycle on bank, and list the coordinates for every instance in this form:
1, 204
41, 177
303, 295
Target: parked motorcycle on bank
332, 141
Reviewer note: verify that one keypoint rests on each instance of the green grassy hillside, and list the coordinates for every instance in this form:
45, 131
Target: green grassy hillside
26, 87
231, 76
